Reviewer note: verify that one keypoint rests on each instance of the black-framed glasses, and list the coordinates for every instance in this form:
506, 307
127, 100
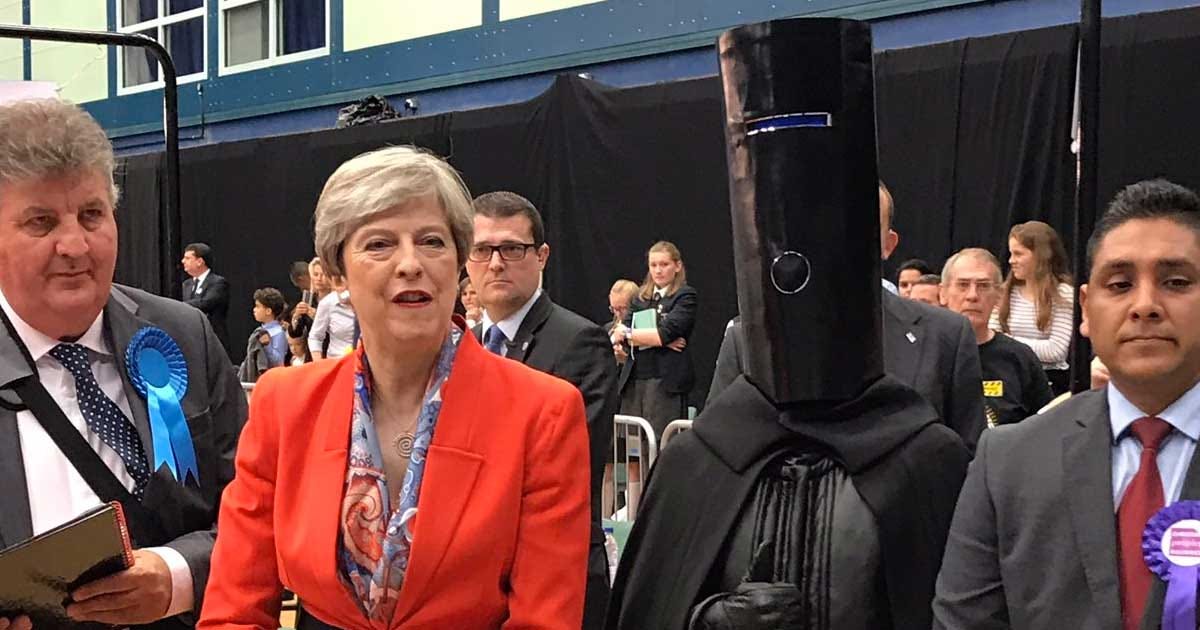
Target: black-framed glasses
511, 252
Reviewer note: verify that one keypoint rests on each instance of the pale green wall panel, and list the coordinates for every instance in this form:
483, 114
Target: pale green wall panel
375, 22
80, 70
11, 58
513, 9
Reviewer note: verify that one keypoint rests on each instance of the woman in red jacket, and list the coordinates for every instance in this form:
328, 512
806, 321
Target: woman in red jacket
420, 482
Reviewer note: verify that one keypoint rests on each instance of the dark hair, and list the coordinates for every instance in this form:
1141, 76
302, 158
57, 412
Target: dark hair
1149, 199
297, 270
503, 204
271, 298
929, 278
917, 264
202, 251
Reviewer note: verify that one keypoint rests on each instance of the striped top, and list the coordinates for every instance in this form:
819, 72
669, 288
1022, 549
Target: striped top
1051, 346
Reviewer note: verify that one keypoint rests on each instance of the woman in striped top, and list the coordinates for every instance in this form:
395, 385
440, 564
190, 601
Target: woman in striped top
1038, 302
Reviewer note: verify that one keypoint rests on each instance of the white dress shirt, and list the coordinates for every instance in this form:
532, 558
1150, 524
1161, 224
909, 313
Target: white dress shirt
1175, 452
57, 492
200, 281
334, 318
511, 324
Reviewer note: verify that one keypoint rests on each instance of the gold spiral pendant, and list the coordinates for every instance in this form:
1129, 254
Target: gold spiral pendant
404, 444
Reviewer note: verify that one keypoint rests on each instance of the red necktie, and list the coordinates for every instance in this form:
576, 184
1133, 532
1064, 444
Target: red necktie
1142, 499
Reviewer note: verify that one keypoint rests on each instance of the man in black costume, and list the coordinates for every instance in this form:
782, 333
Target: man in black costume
815, 492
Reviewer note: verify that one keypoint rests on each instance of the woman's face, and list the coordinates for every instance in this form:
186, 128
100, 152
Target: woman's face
402, 272
662, 268
1021, 260
317, 280
470, 299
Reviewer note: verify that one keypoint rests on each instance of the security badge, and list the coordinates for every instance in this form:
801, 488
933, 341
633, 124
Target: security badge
993, 389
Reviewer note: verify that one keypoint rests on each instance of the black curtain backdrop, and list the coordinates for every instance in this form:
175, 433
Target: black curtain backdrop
917, 109
973, 137
1149, 97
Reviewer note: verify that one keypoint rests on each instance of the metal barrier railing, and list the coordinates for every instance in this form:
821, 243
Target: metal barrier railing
634, 450
675, 428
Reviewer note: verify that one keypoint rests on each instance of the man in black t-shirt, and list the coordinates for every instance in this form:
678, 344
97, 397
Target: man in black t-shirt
1014, 384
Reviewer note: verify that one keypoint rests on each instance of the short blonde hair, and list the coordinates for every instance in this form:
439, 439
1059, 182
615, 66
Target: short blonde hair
628, 288
376, 182
51, 138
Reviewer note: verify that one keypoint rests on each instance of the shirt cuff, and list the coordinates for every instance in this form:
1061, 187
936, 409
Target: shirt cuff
183, 599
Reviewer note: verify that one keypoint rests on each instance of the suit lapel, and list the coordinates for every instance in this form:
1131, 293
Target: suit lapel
520, 347
1087, 480
120, 324
450, 473
16, 524
904, 338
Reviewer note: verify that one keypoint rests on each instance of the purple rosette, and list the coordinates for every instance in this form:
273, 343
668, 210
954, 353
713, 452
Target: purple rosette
1171, 547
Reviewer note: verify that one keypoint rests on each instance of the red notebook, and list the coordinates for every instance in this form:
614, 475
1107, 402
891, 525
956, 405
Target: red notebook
37, 576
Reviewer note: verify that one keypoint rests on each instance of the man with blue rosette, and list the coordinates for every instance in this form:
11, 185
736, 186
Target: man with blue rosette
1088, 516
107, 393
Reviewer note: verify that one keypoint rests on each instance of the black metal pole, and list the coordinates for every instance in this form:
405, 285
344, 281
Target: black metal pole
171, 218
1086, 192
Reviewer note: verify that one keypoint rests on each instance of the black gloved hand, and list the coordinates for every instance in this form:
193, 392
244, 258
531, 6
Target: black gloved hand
753, 606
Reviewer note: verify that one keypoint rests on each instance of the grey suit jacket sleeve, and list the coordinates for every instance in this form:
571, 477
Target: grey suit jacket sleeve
970, 591
729, 364
227, 410
964, 389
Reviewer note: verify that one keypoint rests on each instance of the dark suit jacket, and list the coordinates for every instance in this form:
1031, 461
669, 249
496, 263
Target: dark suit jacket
556, 341
930, 349
214, 405
1033, 544
677, 318
933, 350
214, 301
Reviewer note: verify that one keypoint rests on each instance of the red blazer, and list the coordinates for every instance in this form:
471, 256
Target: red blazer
501, 537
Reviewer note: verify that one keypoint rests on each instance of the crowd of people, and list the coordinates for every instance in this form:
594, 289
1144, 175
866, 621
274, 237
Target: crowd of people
426, 444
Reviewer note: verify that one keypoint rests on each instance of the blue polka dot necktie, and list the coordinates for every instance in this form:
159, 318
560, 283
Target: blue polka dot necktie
494, 340
103, 416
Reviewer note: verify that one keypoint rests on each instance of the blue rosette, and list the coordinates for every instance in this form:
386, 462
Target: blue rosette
1171, 547
159, 373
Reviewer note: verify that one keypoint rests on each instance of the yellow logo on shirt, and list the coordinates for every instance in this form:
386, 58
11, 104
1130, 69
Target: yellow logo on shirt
993, 389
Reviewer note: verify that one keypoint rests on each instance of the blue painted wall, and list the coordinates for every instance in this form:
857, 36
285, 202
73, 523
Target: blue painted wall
676, 44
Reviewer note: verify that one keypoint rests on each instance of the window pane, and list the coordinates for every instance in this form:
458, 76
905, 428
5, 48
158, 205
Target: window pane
301, 25
179, 6
134, 11
185, 42
246, 33
139, 66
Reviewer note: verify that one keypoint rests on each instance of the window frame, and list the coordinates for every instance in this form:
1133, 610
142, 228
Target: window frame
273, 58
159, 24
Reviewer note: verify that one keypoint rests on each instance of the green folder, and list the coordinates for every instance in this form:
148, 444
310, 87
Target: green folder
645, 320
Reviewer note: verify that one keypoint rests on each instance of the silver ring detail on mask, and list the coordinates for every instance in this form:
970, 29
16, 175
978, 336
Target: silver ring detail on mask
805, 265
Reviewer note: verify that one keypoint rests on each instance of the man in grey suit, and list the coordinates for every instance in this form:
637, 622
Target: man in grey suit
1034, 543
74, 429
930, 349
522, 323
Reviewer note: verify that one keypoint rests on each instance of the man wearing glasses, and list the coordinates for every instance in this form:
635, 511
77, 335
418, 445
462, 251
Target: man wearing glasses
1014, 385
522, 323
